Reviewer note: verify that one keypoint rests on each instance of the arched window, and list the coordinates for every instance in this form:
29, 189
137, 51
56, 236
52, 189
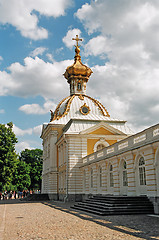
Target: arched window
100, 177
91, 178
100, 146
142, 173
111, 176
125, 179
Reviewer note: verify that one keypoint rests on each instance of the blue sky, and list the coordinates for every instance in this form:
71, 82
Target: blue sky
120, 44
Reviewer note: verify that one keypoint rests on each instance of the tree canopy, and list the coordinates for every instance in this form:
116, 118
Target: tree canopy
8, 156
33, 158
18, 172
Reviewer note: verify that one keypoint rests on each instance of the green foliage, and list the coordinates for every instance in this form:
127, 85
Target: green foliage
8, 156
18, 173
22, 179
33, 158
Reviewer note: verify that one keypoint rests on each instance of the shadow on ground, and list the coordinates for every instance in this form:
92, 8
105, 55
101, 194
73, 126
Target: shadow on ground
141, 226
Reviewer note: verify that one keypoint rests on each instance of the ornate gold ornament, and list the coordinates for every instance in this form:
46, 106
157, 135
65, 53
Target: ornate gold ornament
81, 97
57, 114
84, 109
77, 68
100, 106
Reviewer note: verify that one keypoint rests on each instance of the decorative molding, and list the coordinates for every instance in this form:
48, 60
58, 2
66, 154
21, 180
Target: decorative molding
100, 106
81, 97
84, 106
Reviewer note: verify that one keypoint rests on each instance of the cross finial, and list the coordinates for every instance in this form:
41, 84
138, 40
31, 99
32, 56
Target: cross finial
77, 39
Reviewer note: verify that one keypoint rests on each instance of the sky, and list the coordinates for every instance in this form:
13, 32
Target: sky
120, 44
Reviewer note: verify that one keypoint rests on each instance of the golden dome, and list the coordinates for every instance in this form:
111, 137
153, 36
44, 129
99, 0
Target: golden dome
77, 69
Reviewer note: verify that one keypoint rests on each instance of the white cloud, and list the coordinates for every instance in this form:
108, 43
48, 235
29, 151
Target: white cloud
36, 77
20, 146
21, 14
37, 109
1, 58
19, 132
37, 130
68, 38
50, 57
38, 51
30, 131
128, 36
97, 46
6, 83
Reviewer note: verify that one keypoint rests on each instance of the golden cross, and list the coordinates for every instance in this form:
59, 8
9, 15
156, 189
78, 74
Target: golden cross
77, 39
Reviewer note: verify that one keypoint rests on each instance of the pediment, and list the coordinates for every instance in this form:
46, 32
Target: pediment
101, 131
102, 128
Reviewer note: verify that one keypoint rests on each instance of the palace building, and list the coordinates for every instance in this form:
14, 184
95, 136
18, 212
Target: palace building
86, 151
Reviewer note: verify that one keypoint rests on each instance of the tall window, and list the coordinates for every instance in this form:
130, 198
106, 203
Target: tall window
79, 87
100, 177
91, 178
111, 176
125, 179
142, 173
84, 180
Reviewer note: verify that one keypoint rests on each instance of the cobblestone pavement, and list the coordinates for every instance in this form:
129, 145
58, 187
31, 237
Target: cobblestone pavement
57, 221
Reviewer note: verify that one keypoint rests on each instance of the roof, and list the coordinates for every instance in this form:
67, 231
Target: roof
69, 108
75, 126
68, 114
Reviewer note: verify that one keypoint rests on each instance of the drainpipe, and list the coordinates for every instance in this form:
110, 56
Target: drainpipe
66, 196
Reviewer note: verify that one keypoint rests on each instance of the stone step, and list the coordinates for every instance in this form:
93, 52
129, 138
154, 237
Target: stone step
111, 212
123, 206
145, 202
114, 205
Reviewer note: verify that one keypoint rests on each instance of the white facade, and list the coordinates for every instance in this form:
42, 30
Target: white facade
73, 164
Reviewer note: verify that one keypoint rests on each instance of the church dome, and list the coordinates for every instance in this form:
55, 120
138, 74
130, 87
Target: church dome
79, 111
77, 69
79, 107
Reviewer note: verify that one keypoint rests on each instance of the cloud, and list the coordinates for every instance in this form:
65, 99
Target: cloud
38, 51
36, 77
97, 46
127, 35
20, 146
22, 15
30, 131
19, 132
71, 34
1, 58
50, 57
37, 130
37, 109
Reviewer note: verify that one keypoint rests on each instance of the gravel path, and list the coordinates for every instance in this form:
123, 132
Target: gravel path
55, 220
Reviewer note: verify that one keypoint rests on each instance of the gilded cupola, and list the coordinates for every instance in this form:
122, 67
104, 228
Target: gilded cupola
77, 74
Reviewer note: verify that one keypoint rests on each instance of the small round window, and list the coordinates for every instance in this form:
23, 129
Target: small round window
84, 109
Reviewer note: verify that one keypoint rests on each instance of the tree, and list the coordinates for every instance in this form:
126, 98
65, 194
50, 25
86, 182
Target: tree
8, 156
33, 158
21, 178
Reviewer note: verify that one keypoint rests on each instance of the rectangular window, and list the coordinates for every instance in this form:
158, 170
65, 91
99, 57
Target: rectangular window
92, 178
111, 180
125, 180
100, 177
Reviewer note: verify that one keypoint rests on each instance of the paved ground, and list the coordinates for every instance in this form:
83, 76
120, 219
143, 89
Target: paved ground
54, 220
